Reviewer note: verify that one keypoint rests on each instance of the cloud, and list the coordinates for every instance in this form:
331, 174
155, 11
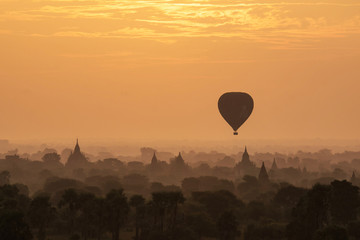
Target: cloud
271, 21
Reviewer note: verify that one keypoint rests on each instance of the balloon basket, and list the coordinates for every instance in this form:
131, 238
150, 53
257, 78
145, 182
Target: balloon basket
235, 133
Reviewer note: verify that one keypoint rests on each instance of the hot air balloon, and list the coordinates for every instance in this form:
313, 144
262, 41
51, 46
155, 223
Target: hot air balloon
235, 108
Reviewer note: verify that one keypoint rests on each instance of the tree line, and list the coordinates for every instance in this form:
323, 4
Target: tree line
322, 212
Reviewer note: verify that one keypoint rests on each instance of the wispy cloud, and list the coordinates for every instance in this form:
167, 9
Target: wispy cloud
272, 21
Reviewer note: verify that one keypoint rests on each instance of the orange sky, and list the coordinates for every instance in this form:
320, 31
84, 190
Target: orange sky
155, 69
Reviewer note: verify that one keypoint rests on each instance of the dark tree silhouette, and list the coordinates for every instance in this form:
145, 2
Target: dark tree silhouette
323, 206
255, 210
354, 229
41, 213
117, 210
4, 178
331, 232
201, 223
51, 158
88, 218
10, 198
13, 225
70, 204
138, 202
218, 202
265, 231
311, 214
287, 198
344, 199
159, 203
227, 226
174, 199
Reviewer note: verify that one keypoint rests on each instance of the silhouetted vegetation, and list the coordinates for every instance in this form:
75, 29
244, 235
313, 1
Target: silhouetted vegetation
112, 199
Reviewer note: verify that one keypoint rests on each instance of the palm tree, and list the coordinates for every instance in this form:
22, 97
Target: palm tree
70, 203
227, 226
138, 202
160, 203
41, 213
167, 202
117, 210
174, 198
87, 216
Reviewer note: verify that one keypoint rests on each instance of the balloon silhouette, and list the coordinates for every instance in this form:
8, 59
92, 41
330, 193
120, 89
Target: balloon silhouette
235, 108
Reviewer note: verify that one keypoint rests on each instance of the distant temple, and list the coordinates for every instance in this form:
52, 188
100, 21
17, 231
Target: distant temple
179, 161
245, 158
154, 160
274, 170
245, 166
76, 159
245, 161
154, 164
274, 166
178, 165
355, 180
263, 175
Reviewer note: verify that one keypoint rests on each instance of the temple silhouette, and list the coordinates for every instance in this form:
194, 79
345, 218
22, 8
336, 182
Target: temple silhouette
263, 175
245, 166
76, 159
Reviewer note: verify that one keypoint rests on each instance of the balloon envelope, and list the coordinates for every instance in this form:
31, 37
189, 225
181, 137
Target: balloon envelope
235, 108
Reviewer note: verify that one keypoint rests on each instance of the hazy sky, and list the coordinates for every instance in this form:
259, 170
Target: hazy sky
155, 69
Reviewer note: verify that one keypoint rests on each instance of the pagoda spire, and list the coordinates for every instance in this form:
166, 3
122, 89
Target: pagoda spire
274, 165
154, 159
76, 158
263, 175
179, 159
77, 147
245, 156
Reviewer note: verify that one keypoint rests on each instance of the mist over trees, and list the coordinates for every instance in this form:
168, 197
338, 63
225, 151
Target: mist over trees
190, 195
